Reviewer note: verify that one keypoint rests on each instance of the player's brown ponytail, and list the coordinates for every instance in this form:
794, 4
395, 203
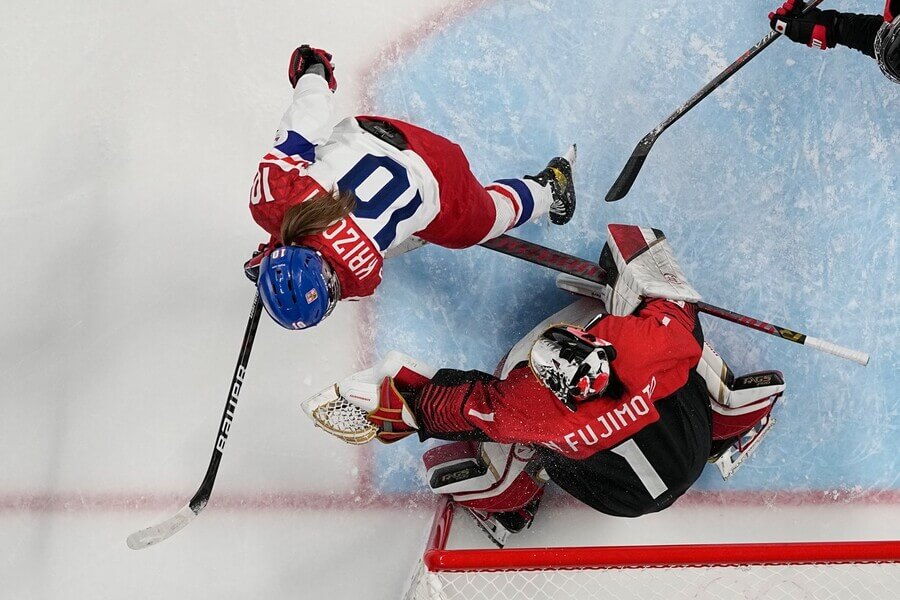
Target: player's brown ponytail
315, 215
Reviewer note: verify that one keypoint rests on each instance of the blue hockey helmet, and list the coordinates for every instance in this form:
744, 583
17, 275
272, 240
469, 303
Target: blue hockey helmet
297, 287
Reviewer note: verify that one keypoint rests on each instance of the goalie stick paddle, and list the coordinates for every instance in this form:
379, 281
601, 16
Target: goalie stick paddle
585, 269
628, 175
157, 533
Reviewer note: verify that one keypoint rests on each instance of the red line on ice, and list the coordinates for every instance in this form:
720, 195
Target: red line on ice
367, 497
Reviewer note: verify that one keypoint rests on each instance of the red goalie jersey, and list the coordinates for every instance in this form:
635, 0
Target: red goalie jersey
622, 453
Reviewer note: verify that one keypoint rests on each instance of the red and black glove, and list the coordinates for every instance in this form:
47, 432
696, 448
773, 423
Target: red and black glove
305, 57
815, 28
251, 267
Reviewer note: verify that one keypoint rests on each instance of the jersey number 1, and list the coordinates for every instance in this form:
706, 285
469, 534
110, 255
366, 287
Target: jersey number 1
637, 460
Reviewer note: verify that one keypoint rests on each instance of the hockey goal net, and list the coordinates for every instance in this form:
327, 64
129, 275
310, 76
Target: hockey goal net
771, 571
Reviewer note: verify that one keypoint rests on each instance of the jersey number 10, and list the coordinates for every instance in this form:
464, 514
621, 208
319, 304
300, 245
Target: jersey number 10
384, 199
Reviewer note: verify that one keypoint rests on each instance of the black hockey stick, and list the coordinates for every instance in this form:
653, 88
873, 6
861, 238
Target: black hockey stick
626, 178
181, 519
585, 269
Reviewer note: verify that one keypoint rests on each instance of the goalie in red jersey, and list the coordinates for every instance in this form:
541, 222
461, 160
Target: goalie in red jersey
336, 198
621, 409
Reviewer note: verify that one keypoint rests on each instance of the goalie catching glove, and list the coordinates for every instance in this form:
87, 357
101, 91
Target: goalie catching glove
384, 405
371, 404
640, 264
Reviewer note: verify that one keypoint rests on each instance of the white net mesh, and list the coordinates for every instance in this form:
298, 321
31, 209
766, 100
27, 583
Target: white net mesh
344, 420
775, 582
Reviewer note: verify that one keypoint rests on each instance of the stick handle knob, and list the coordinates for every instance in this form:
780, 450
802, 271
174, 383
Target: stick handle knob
856, 356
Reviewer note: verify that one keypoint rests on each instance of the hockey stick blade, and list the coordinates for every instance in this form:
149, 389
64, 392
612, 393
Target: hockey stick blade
630, 172
633, 166
157, 533
163, 531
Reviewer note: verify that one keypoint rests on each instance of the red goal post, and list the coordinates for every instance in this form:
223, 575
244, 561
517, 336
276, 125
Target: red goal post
818, 570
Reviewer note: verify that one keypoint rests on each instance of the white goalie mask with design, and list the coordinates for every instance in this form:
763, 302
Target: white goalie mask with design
572, 363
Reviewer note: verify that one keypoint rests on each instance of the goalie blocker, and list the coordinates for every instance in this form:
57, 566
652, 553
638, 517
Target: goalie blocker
671, 404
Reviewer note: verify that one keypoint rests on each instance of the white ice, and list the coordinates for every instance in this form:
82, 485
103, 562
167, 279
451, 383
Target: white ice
130, 133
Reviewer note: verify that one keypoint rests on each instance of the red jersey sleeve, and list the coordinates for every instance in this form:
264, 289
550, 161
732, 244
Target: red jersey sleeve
656, 350
516, 409
655, 347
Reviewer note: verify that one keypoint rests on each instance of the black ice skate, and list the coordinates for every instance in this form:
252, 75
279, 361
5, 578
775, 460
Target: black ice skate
500, 525
729, 455
558, 175
740, 426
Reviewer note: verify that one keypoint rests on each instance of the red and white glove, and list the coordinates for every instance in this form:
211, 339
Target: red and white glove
815, 28
386, 407
381, 394
305, 57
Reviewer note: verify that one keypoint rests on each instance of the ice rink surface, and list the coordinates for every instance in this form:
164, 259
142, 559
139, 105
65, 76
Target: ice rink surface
130, 136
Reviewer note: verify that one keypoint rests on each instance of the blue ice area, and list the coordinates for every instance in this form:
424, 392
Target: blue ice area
778, 192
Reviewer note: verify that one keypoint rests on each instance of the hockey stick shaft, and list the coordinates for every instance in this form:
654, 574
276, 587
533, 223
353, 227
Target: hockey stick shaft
585, 269
784, 333
157, 533
630, 172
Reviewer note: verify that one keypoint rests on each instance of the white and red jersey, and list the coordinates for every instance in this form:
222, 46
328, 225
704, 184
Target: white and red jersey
398, 188
397, 194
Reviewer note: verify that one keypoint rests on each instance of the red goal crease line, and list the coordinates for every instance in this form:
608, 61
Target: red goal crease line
438, 558
365, 495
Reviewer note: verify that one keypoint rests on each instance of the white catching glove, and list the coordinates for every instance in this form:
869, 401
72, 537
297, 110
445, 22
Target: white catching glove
369, 404
640, 264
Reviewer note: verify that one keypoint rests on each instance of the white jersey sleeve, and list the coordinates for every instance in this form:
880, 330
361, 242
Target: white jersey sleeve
308, 122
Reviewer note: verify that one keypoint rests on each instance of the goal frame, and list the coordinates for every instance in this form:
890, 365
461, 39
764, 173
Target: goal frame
438, 558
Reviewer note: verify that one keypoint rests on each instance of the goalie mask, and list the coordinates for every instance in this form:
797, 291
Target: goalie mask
572, 363
887, 41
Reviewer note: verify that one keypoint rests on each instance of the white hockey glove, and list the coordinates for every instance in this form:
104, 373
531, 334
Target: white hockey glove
370, 404
640, 264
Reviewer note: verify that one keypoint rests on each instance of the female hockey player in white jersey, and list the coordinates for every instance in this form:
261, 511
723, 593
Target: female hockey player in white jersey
621, 410
336, 198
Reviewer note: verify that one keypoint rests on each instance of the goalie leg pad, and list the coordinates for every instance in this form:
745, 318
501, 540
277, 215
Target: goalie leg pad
738, 403
453, 463
487, 477
730, 392
730, 423
641, 264
741, 409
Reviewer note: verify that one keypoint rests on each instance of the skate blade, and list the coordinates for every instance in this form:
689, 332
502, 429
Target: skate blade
728, 464
495, 532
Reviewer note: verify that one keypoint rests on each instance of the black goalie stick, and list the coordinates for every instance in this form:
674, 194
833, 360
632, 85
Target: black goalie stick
181, 519
626, 178
585, 269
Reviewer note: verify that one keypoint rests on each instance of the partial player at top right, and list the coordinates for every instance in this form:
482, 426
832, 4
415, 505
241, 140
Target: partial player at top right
874, 35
